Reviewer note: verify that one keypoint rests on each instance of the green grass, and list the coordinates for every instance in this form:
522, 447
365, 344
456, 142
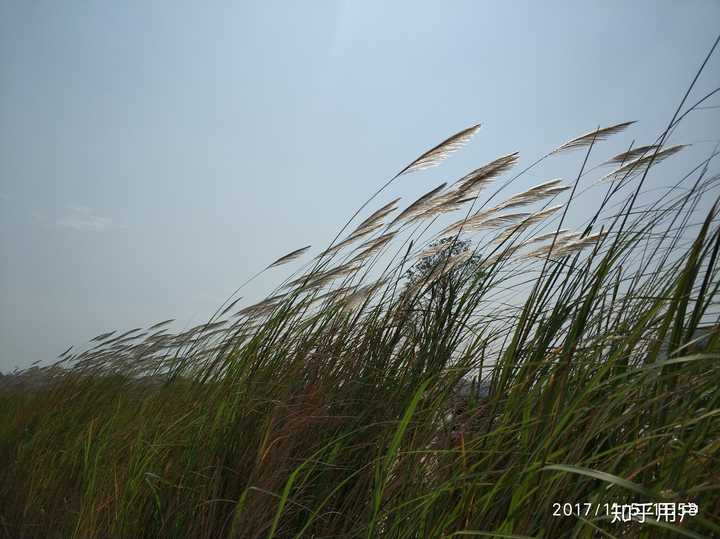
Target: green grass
328, 416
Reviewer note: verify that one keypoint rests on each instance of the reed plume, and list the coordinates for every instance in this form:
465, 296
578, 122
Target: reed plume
588, 138
532, 219
478, 179
376, 217
420, 205
534, 194
161, 324
102, 336
639, 165
439, 153
630, 155
289, 257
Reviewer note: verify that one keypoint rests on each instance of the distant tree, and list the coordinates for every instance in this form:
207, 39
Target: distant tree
444, 251
439, 285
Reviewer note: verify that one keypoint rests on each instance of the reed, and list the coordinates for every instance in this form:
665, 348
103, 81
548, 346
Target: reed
330, 408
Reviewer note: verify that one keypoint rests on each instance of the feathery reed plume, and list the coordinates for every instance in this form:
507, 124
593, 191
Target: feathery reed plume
375, 241
552, 191
543, 251
419, 205
532, 219
261, 308
340, 271
229, 307
289, 257
567, 244
634, 167
331, 275
373, 246
439, 153
432, 250
549, 235
534, 194
354, 300
123, 342
441, 204
358, 297
333, 294
204, 327
465, 200
478, 179
630, 155
465, 224
120, 337
580, 244
161, 324
350, 239
159, 335
376, 217
102, 336
215, 332
499, 221
595, 135
540, 215
318, 280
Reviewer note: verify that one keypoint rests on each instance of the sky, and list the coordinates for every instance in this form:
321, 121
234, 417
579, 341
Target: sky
153, 155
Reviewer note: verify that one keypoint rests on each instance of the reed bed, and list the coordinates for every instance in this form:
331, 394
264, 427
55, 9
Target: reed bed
330, 408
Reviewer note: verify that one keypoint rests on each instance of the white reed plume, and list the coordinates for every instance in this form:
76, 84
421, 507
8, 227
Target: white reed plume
597, 135
439, 153
637, 166
289, 257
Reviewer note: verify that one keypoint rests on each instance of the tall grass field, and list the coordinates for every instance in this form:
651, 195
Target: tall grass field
469, 364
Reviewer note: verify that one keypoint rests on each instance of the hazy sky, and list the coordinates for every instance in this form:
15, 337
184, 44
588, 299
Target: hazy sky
155, 154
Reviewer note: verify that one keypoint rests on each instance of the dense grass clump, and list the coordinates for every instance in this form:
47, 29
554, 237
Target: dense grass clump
330, 409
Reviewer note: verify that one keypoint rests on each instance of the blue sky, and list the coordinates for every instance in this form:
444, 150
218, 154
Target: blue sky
155, 154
